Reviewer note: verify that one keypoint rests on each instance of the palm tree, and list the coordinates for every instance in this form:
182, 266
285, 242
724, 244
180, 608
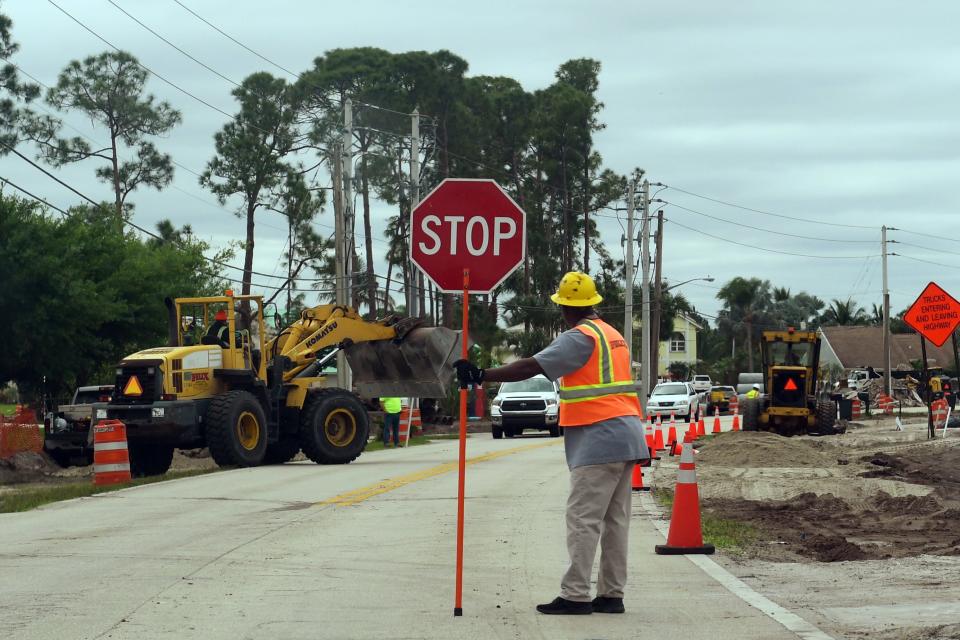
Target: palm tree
744, 299
781, 294
876, 314
844, 313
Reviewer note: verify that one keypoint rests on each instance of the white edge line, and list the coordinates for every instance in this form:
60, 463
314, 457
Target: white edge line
791, 621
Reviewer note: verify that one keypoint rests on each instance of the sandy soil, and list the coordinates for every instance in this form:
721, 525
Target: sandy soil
859, 532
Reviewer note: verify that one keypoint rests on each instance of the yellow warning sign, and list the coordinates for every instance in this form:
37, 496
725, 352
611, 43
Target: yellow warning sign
133, 387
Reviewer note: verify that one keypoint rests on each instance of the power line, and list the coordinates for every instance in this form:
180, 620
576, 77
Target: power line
779, 233
293, 74
768, 213
199, 62
939, 264
144, 67
751, 246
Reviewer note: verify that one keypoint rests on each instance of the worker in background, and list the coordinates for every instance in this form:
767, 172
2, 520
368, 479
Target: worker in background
220, 329
754, 392
391, 420
600, 414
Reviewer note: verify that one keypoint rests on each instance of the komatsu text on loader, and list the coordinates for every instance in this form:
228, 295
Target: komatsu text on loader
790, 406
222, 385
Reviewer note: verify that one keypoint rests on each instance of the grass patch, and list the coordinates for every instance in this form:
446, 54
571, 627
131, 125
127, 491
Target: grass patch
724, 533
7, 409
18, 500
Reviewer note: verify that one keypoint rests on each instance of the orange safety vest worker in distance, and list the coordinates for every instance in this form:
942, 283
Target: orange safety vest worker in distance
603, 388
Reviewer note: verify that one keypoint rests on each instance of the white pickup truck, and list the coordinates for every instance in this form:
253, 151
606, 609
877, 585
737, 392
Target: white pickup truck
66, 432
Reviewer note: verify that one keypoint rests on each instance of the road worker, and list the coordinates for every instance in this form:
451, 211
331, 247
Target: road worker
603, 437
220, 329
754, 392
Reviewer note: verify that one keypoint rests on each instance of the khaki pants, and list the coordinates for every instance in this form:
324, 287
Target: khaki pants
598, 510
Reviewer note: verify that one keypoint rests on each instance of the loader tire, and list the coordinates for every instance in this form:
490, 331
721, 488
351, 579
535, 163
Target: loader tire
826, 419
236, 430
283, 450
334, 427
750, 410
148, 459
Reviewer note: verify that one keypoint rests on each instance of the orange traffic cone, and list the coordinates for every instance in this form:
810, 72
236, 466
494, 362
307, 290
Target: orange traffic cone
652, 447
673, 418
659, 421
658, 439
676, 449
716, 421
701, 429
637, 480
672, 435
736, 419
685, 535
111, 459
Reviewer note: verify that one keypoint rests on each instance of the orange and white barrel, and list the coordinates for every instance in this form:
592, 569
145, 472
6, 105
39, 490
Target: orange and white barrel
111, 458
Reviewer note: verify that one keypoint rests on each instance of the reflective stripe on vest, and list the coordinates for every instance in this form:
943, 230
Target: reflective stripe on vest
604, 387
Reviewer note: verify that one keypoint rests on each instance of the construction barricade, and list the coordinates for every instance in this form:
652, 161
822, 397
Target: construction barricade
111, 457
19, 434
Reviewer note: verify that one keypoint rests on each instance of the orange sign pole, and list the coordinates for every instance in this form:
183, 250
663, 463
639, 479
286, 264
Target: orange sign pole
464, 353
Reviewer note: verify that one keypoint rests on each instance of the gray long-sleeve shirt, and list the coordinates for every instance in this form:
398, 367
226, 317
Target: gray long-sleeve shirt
616, 440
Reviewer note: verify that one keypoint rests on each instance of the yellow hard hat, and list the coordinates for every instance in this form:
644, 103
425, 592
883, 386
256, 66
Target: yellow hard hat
576, 290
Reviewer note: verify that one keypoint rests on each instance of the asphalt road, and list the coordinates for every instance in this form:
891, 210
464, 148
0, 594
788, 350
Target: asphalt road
359, 551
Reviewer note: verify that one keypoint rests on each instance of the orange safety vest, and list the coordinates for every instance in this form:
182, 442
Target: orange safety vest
603, 388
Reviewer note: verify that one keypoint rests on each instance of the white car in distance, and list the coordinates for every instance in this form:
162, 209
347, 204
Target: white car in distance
527, 404
678, 398
701, 383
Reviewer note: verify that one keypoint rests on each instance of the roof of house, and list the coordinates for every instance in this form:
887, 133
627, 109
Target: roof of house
863, 347
683, 316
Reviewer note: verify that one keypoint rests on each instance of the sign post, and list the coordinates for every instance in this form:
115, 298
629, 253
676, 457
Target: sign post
935, 315
467, 236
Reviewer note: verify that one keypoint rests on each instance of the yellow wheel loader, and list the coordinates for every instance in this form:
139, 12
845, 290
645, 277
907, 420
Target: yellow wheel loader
790, 406
220, 384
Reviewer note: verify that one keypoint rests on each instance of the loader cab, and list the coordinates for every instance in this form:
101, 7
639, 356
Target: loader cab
194, 318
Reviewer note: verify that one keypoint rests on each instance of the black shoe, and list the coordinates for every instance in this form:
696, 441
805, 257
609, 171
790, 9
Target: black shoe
563, 607
603, 604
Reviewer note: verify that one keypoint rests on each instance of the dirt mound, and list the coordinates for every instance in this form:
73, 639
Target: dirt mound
829, 529
26, 466
934, 466
761, 449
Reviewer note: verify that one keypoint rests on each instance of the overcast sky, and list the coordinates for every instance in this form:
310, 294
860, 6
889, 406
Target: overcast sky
844, 113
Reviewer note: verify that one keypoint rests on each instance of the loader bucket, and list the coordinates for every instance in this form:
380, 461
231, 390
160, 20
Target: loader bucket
419, 366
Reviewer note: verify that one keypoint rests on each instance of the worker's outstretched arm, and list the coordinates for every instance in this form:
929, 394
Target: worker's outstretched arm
519, 370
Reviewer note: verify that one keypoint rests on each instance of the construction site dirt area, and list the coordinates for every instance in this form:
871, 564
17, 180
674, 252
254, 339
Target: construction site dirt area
859, 532
28, 469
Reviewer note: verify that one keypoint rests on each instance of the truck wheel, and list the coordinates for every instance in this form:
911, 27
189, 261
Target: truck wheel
750, 409
555, 431
334, 427
826, 418
283, 450
236, 430
148, 459
497, 432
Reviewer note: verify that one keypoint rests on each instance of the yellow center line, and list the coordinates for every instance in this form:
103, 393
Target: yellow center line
364, 493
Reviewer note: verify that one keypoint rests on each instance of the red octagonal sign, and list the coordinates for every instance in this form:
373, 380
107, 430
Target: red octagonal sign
467, 224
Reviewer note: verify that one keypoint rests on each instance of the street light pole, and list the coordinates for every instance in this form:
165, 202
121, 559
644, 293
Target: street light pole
628, 276
645, 287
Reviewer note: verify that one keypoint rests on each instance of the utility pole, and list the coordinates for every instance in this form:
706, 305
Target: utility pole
887, 384
657, 300
645, 288
339, 254
628, 273
344, 377
413, 299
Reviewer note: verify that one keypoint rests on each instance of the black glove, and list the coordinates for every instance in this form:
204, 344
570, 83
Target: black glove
468, 373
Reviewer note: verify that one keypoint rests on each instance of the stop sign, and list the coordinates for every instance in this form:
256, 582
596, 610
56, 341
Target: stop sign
467, 224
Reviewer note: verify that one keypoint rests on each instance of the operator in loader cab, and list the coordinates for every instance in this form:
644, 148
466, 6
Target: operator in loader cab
603, 438
220, 330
